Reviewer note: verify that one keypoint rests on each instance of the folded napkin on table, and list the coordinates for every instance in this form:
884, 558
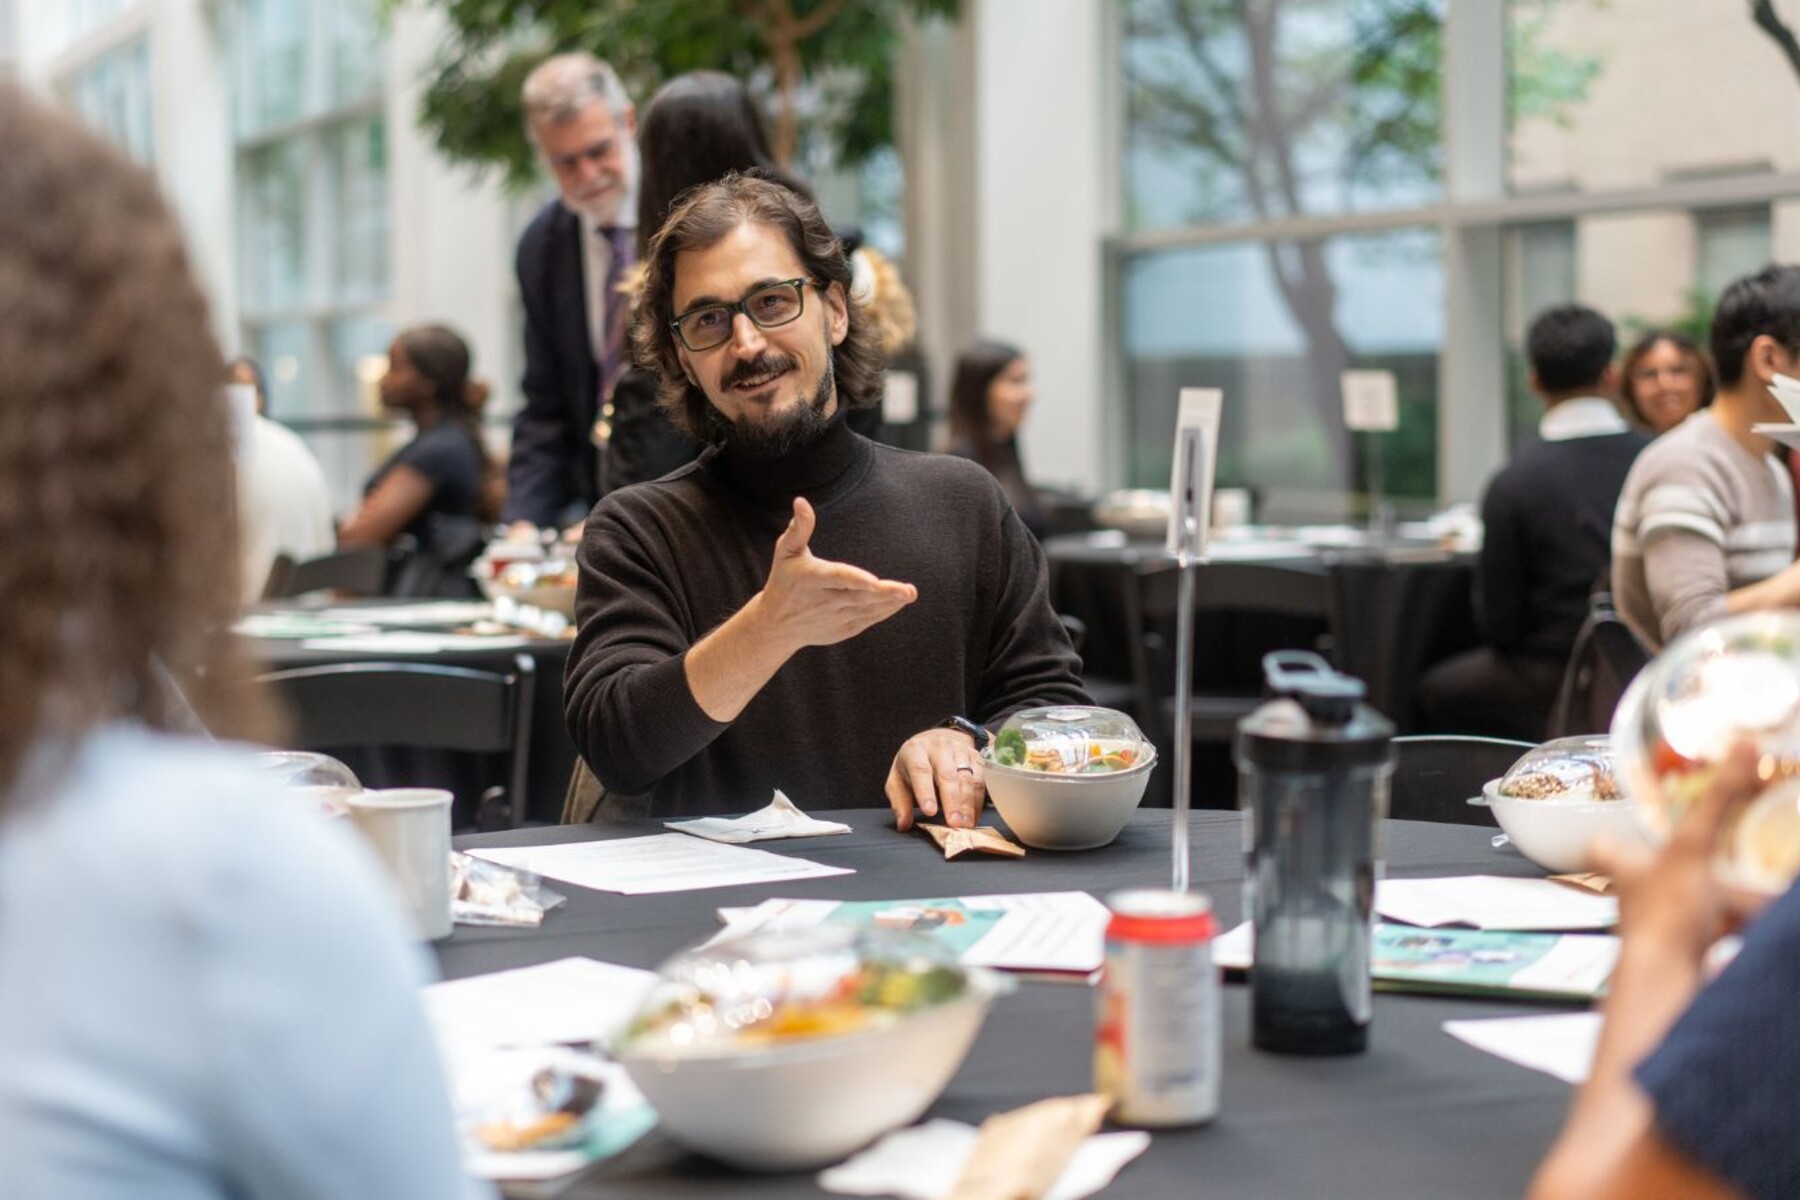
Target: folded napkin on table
781, 819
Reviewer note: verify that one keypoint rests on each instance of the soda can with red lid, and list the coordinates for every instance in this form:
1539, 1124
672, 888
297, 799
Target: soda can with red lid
1156, 1030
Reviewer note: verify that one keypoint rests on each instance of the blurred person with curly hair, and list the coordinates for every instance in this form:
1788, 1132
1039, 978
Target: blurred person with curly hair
797, 577
208, 990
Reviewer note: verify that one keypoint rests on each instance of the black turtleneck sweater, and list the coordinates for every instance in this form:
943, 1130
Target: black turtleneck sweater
664, 563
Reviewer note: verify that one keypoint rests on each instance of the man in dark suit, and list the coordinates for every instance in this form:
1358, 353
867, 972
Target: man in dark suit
571, 260
1546, 542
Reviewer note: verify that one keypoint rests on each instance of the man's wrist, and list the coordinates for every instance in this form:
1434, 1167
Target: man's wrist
964, 725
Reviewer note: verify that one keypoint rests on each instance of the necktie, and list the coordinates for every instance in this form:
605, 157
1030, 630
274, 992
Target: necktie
614, 355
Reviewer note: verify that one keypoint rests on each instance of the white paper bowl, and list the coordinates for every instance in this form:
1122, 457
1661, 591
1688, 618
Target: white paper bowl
814, 1102
1049, 811
1555, 834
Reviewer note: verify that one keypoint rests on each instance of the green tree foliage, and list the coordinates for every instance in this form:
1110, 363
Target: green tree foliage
824, 68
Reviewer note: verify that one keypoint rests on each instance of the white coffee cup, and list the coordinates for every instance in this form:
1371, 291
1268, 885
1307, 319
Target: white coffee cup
410, 830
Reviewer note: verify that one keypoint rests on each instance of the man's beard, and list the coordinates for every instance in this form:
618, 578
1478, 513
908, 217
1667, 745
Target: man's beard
777, 434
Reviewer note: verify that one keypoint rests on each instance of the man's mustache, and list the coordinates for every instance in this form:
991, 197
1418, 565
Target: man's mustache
756, 368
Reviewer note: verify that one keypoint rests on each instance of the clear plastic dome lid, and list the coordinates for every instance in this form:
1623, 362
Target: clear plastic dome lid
1738, 680
1070, 739
1568, 769
303, 768
770, 989
319, 777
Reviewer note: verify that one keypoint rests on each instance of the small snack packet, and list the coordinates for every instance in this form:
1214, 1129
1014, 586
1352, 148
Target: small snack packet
983, 839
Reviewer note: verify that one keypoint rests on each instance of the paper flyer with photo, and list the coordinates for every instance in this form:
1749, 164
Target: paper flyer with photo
1039, 932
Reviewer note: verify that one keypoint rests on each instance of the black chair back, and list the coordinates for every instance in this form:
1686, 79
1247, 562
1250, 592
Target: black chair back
1606, 657
1151, 610
359, 572
1436, 775
418, 705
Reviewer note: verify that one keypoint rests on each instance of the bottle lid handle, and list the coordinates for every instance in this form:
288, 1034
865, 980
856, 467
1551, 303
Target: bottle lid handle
1328, 696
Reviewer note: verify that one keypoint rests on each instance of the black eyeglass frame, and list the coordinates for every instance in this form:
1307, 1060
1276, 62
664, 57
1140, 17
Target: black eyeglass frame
743, 306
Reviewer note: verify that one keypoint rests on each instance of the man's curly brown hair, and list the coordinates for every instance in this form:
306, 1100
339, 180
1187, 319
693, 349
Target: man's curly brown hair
701, 217
117, 507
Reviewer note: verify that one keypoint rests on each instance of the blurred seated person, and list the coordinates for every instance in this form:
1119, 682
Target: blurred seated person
800, 607
1693, 1087
284, 505
1705, 525
1546, 519
988, 400
434, 488
206, 990
1665, 380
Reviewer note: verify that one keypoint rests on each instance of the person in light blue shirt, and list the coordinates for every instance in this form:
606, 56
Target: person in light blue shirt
205, 990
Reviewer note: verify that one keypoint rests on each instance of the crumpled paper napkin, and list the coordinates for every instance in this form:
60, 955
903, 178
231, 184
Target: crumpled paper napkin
924, 1162
781, 819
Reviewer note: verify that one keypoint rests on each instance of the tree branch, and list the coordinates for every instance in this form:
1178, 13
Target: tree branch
815, 20
1766, 18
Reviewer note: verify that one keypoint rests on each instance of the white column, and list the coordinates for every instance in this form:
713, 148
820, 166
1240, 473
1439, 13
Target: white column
1472, 365
1043, 170
450, 228
192, 118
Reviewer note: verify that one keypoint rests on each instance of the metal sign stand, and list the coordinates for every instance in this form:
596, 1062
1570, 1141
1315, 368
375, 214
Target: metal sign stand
1188, 507
1381, 518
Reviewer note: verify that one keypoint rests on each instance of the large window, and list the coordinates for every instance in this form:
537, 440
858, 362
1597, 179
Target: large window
1314, 184
112, 94
312, 167
1273, 323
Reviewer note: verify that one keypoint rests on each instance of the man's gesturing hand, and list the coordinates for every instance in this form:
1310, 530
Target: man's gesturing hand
937, 769
812, 601
808, 601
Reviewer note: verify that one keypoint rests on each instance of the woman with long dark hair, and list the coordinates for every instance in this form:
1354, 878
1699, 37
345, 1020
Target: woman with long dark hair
206, 989
989, 398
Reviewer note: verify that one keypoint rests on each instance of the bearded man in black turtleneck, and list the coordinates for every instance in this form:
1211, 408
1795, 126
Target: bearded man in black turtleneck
800, 608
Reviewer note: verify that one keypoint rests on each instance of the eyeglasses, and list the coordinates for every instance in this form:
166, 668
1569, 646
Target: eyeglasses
768, 307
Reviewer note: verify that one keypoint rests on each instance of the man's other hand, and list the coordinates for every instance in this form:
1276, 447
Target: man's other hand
936, 771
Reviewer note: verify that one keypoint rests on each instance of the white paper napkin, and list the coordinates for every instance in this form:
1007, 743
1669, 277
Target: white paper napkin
924, 1162
1559, 1044
781, 819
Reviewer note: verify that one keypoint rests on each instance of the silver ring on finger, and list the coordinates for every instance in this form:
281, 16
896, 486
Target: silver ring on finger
965, 770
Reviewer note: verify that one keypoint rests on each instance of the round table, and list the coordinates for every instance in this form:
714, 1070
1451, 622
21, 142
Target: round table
1419, 1114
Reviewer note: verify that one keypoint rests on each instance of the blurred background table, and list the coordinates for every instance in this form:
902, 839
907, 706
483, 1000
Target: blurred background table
549, 751
1391, 607
1419, 1114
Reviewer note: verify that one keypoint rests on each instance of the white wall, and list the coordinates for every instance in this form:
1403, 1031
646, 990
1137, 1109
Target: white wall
451, 229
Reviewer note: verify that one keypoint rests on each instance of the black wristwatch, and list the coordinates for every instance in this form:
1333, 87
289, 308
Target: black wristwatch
969, 727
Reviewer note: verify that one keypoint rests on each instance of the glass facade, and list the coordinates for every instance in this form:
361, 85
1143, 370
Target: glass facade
112, 94
313, 170
1285, 212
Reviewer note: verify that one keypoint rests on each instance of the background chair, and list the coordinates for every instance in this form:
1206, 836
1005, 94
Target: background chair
1607, 656
1434, 776
1285, 607
423, 705
359, 572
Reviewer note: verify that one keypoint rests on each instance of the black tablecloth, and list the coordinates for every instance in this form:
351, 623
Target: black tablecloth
552, 753
1419, 1114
